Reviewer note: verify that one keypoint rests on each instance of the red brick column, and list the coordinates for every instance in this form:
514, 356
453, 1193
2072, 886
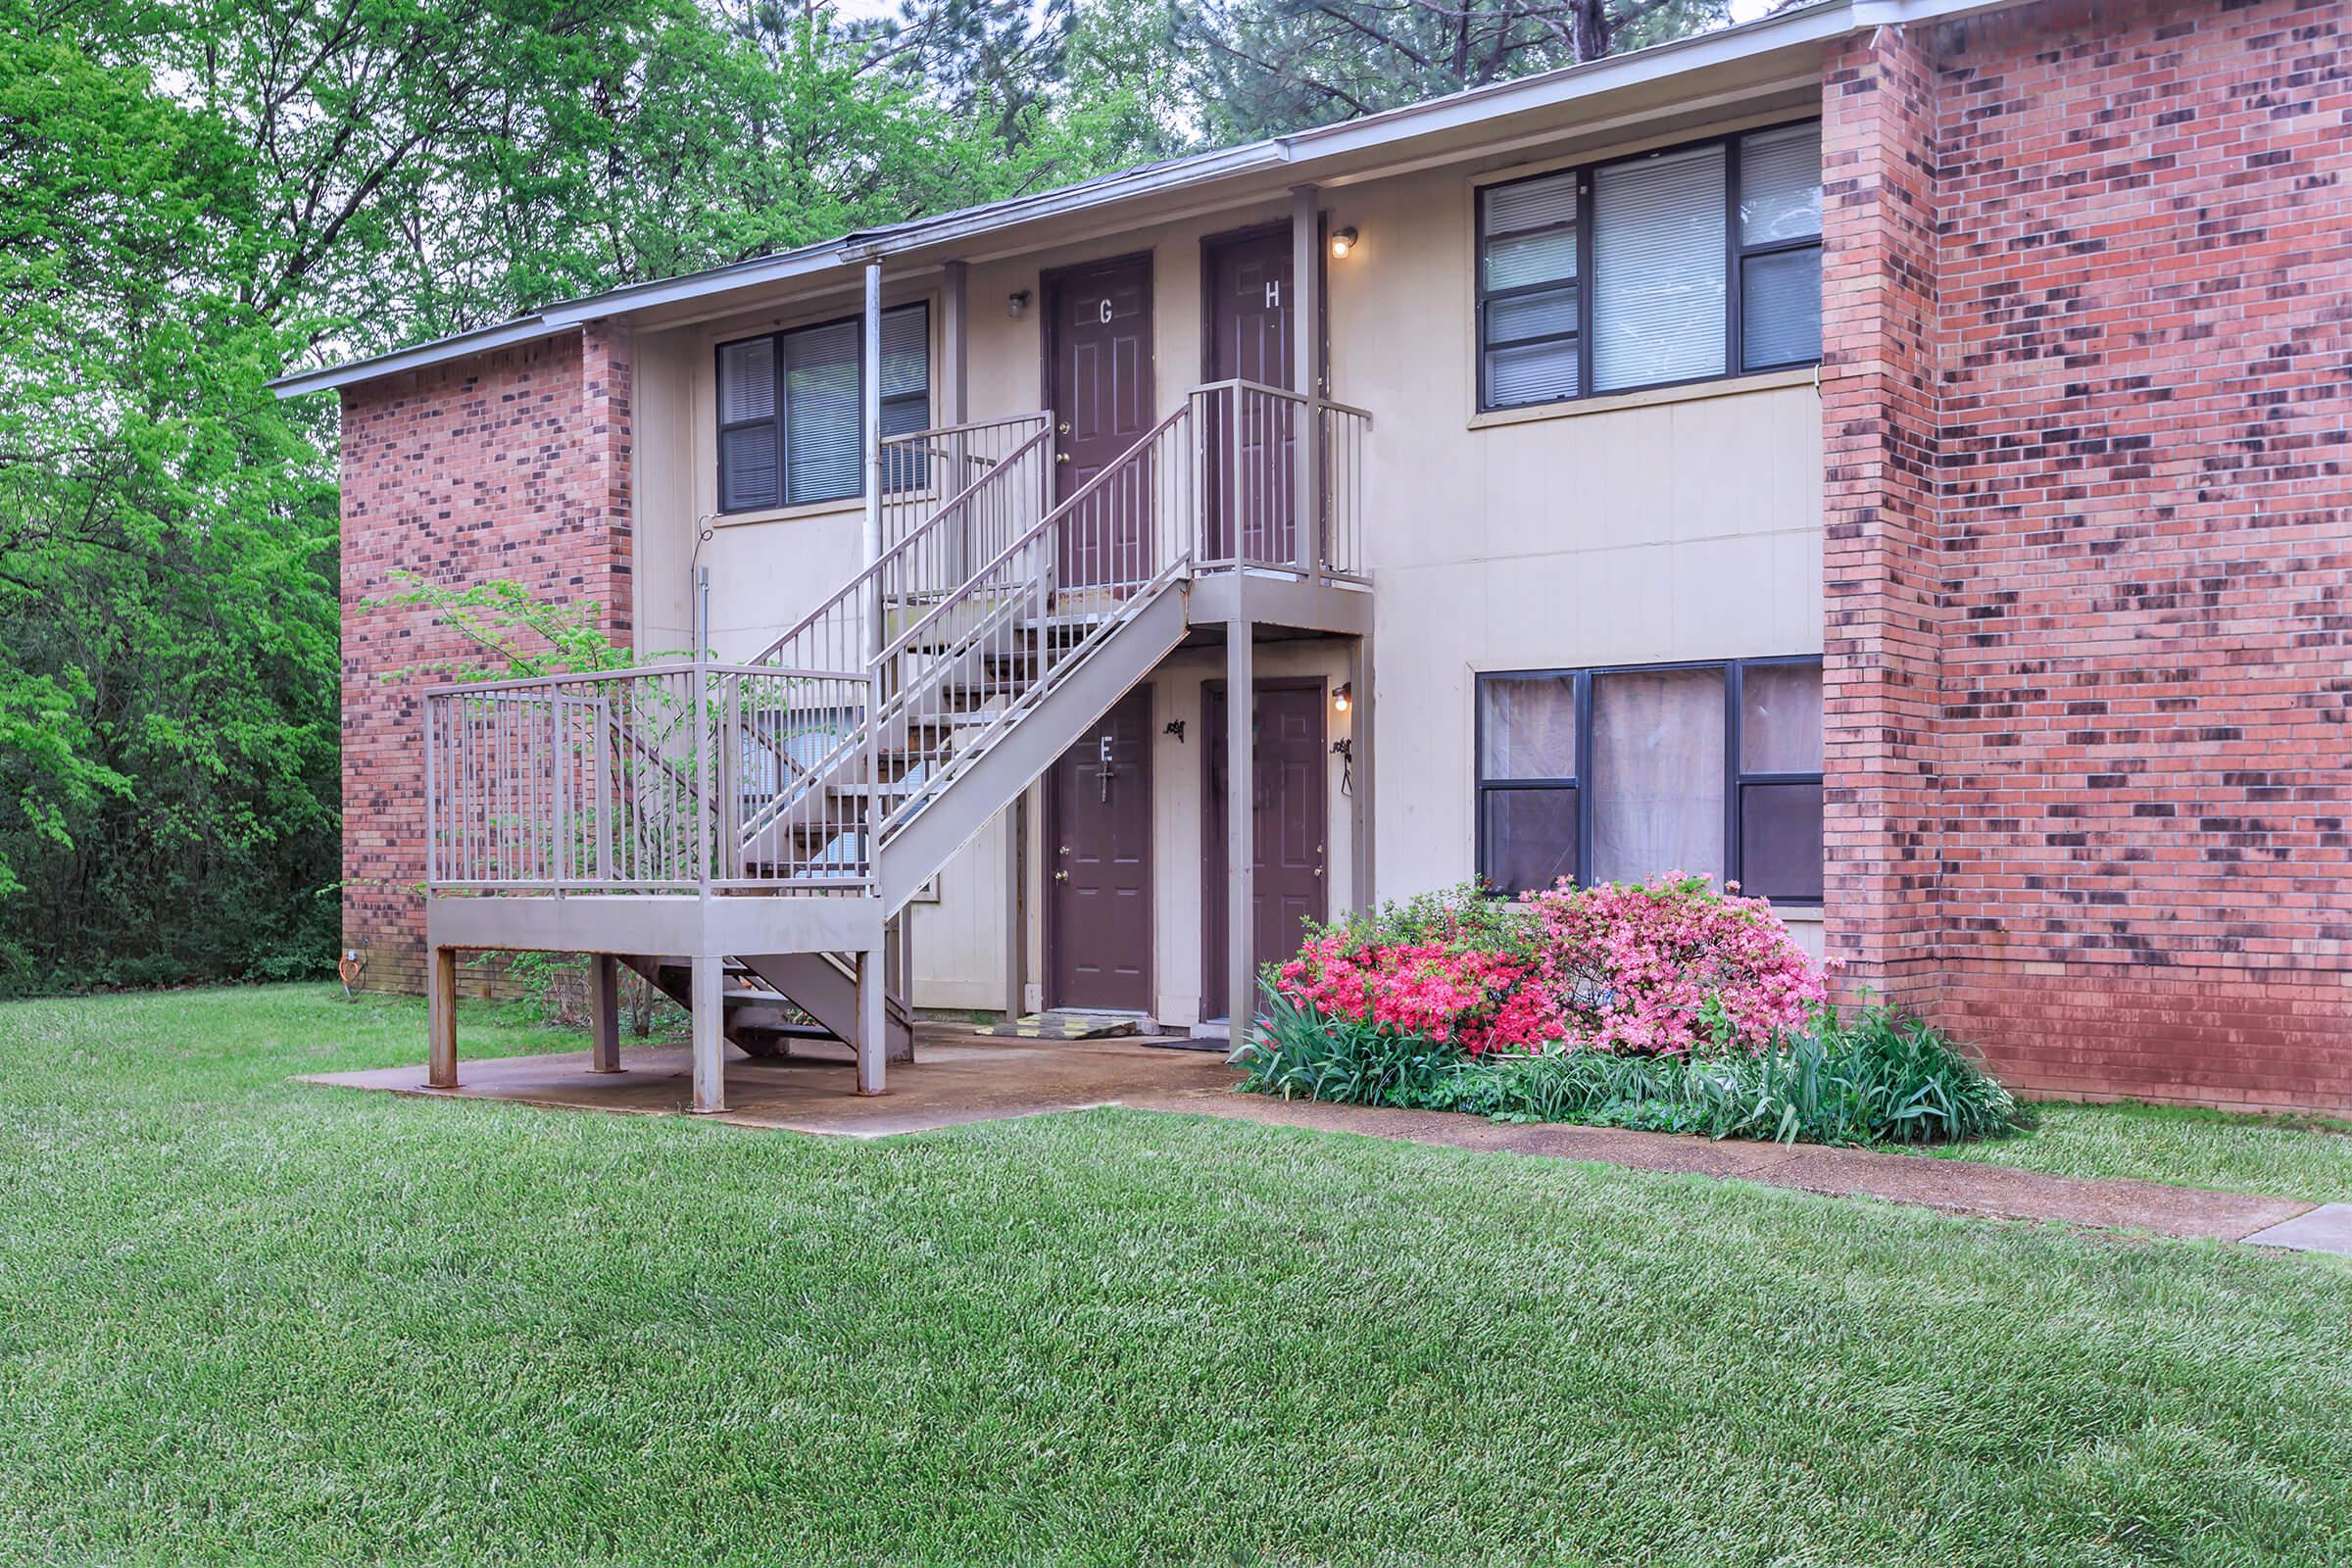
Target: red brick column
1881, 668
512, 465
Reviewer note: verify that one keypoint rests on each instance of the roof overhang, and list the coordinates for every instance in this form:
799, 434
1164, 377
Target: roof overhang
1614, 91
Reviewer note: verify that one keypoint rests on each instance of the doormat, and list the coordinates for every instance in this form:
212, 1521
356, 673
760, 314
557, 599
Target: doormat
1061, 1023
1222, 1048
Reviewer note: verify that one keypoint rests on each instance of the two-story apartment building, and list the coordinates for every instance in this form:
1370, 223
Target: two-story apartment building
1889, 456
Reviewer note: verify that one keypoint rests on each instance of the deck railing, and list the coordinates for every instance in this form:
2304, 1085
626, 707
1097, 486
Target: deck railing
791, 770
641, 779
1256, 443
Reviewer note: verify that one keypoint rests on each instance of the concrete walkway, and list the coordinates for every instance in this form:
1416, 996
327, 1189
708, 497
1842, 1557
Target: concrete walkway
959, 1077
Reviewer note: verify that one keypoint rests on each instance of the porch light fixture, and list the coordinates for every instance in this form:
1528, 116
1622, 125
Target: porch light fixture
1343, 240
1344, 698
1017, 302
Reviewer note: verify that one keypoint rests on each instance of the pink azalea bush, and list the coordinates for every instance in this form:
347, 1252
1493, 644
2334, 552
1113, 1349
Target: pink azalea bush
1666, 967
1457, 995
1662, 968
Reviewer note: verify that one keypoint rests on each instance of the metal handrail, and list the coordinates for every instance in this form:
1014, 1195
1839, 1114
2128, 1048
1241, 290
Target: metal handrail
1239, 384
922, 534
907, 638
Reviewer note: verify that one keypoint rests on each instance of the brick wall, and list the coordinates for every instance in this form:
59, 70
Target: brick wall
514, 464
2135, 876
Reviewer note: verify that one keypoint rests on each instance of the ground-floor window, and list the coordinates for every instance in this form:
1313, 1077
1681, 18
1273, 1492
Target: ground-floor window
1612, 776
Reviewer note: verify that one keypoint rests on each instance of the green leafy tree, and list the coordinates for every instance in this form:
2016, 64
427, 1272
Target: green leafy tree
1266, 67
167, 603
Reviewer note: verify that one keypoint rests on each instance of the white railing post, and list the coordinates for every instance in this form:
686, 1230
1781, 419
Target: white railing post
872, 838
562, 814
432, 836
1234, 549
869, 394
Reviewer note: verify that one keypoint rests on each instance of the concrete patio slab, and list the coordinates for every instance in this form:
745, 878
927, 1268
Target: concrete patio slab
2325, 1229
957, 1077
961, 1077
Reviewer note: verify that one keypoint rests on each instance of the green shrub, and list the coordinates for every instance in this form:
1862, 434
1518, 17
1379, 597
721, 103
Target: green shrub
1299, 1054
1872, 1077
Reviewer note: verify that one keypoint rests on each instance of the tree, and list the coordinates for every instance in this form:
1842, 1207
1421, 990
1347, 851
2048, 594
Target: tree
166, 600
1266, 67
198, 195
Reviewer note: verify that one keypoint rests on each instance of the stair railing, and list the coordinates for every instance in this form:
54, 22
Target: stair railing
1038, 607
769, 773
1009, 464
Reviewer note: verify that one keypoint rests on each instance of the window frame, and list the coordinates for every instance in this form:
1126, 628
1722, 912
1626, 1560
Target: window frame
780, 417
1737, 778
1736, 254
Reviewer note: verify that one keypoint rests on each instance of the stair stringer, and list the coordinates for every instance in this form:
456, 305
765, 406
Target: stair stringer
820, 986
1028, 745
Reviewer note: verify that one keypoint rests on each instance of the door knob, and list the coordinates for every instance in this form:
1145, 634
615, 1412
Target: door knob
1061, 876
1061, 457
1063, 428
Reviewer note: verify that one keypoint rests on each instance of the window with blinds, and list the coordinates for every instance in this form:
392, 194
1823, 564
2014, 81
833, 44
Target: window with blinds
1683, 265
791, 422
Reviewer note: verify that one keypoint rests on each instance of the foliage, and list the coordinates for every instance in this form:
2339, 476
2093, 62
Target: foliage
1454, 966
1273, 66
1668, 966
1874, 1078
194, 197
528, 635
168, 618
1300, 1053
1661, 967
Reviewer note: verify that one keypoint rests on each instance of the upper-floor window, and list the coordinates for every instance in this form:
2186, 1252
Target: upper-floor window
791, 424
1675, 266
1615, 775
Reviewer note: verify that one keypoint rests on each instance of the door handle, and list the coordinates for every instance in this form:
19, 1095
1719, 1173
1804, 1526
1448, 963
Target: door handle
1061, 457
1064, 876
1062, 428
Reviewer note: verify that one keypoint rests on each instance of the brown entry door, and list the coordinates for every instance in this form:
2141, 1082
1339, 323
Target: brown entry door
1099, 865
1099, 358
1252, 328
1291, 813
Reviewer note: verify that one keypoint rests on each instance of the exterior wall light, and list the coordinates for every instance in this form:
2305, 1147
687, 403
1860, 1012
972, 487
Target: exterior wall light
1344, 698
1015, 303
1343, 240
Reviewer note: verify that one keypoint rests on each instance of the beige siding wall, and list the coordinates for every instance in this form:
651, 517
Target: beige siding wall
1646, 528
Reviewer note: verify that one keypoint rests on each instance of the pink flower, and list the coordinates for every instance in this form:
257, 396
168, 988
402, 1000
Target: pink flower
1659, 967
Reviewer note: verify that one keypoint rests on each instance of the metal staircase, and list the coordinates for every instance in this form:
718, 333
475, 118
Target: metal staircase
835, 772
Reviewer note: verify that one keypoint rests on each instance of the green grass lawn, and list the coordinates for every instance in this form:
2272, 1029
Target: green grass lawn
243, 1319
2289, 1158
